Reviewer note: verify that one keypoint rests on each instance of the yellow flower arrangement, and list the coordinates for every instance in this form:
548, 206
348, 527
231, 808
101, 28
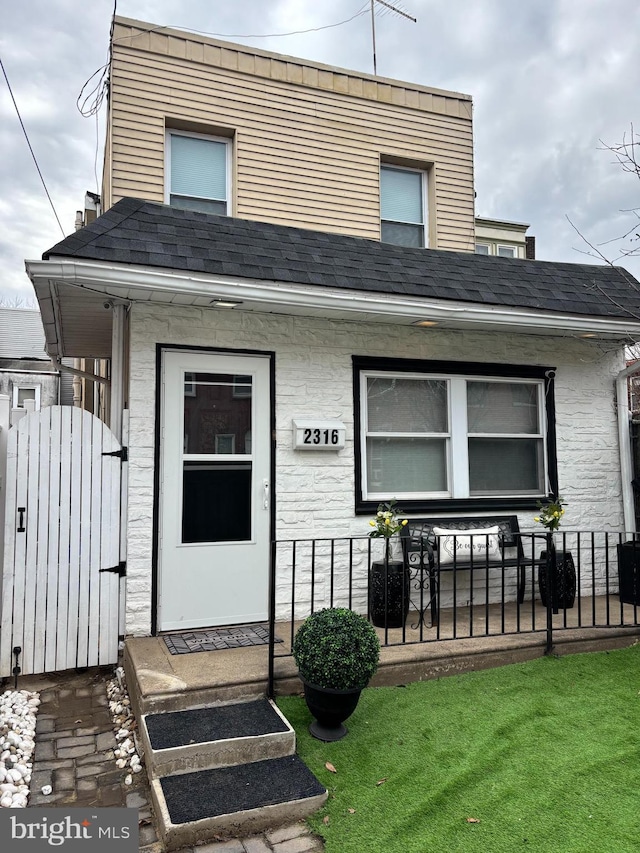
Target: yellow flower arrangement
386, 522
551, 513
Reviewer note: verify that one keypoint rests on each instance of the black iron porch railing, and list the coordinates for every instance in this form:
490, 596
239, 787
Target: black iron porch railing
569, 580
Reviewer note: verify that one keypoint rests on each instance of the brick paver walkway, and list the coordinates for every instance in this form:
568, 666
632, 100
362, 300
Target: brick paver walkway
74, 754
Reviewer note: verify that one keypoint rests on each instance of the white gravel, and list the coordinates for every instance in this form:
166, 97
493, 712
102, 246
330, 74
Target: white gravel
127, 752
18, 710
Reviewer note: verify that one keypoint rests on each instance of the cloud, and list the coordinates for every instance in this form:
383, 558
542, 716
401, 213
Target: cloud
550, 81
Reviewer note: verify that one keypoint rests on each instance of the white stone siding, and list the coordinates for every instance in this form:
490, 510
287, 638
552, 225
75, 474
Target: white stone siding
314, 491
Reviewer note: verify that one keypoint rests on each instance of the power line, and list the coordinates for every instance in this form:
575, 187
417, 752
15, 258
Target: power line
363, 10
24, 130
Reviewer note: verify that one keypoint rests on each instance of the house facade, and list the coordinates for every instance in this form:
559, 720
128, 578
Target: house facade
313, 333
278, 139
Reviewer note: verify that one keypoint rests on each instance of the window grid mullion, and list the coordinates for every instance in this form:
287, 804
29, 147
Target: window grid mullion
459, 446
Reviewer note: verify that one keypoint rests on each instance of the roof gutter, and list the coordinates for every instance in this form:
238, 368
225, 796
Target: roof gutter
624, 443
120, 282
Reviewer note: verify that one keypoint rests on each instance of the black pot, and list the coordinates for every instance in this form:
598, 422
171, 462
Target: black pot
388, 593
629, 572
330, 708
565, 583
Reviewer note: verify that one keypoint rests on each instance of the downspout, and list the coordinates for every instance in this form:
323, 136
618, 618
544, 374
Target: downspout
118, 355
624, 443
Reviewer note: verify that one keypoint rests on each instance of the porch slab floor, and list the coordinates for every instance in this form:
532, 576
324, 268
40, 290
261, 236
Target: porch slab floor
160, 681
200, 725
214, 639
226, 790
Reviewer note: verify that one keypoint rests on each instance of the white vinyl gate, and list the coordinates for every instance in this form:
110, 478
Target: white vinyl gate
61, 572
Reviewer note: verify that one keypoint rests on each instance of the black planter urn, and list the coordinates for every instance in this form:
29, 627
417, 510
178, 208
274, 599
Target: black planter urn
388, 593
629, 572
565, 580
330, 709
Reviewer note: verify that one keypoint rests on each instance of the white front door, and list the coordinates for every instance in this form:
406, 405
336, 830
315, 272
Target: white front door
213, 536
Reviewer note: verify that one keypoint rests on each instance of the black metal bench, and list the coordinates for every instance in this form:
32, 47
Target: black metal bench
424, 552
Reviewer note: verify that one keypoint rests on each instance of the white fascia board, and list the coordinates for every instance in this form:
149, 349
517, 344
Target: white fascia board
145, 284
48, 311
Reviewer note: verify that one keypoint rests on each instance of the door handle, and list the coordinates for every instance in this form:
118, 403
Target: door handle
265, 494
21, 513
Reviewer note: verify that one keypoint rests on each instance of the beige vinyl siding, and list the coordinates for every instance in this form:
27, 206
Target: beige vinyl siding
307, 139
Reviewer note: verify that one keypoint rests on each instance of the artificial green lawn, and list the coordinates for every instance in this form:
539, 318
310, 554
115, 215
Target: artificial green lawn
545, 755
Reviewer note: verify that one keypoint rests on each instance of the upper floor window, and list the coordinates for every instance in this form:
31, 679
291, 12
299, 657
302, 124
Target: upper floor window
198, 172
499, 249
403, 206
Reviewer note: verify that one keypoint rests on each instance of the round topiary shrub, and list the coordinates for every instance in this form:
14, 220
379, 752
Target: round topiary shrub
336, 648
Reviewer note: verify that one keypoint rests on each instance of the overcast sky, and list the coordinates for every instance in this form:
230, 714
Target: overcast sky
551, 81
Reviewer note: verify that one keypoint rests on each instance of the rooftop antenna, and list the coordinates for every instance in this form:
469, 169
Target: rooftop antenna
373, 24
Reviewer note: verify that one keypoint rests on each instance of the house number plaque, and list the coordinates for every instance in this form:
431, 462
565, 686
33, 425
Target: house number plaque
318, 434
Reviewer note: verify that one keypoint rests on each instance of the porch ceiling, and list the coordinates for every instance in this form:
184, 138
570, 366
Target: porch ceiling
76, 322
76, 296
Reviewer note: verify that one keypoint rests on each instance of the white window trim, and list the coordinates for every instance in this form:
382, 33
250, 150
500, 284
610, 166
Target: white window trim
483, 243
424, 187
167, 165
511, 247
456, 438
17, 388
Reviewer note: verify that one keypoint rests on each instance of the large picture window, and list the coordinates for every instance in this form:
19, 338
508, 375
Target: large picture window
450, 433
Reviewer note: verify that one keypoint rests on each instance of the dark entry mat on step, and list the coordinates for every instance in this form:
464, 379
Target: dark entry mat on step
212, 639
201, 725
208, 793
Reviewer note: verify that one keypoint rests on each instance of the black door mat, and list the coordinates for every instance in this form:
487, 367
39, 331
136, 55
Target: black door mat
209, 793
202, 725
213, 639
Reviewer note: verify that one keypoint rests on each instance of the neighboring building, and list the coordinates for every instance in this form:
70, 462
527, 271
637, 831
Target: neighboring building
634, 388
26, 371
504, 239
249, 307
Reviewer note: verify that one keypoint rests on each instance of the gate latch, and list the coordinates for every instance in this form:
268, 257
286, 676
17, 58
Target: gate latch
120, 569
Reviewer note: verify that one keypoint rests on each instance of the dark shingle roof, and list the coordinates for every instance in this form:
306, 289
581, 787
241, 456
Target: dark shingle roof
156, 235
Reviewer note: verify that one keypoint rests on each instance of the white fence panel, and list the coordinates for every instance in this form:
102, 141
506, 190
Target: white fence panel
62, 531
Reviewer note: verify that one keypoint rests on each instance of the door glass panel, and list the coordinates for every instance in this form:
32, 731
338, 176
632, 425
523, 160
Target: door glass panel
216, 501
217, 413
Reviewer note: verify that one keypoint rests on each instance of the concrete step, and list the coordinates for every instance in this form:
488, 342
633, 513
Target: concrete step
216, 736
233, 802
159, 681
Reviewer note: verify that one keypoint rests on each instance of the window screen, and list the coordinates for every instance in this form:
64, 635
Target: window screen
401, 206
198, 173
